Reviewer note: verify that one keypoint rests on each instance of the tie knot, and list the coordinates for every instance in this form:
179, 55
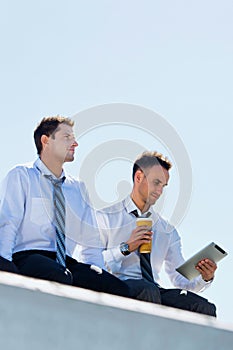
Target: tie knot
135, 213
56, 182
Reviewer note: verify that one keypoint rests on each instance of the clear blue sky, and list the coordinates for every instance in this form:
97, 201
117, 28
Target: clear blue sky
173, 57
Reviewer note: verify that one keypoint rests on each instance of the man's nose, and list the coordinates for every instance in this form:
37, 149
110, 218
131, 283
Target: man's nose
75, 143
159, 190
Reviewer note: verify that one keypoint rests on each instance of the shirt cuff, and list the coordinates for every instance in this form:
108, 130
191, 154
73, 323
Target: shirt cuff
210, 281
117, 255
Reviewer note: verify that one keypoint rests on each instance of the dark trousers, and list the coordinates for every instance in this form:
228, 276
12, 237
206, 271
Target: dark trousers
8, 266
178, 298
42, 264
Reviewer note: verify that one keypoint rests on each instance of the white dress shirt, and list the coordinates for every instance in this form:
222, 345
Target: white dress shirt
116, 224
27, 215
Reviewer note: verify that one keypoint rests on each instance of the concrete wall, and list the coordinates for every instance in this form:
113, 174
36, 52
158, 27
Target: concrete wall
37, 314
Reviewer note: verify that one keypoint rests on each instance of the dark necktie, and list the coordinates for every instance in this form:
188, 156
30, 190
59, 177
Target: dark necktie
60, 214
145, 260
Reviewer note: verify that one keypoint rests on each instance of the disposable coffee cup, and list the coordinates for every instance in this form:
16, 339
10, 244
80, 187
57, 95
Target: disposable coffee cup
145, 247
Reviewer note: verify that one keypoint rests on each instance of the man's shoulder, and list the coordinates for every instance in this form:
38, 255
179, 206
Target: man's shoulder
161, 224
71, 180
113, 208
22, 168
76, 187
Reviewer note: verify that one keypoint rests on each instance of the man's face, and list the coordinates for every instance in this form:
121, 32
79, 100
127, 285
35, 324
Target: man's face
151, 184
62, 144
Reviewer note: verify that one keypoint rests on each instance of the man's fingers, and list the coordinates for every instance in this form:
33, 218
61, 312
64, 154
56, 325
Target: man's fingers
207, 265
207, 268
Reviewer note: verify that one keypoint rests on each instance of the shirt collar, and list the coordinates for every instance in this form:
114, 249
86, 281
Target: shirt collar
44, 170
130, 206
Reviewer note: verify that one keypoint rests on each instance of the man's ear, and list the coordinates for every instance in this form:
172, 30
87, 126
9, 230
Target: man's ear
44, 141
138, 176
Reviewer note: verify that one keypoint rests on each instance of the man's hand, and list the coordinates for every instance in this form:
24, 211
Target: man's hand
207, 268
138, 236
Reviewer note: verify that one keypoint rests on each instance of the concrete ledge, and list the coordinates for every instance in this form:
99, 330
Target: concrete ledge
36, 314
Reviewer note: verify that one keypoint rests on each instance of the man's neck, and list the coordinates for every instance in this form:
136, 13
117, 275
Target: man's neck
53, 166
144, 207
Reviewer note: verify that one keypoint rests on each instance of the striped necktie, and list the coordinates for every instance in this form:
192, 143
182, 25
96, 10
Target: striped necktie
145, 259
60, 214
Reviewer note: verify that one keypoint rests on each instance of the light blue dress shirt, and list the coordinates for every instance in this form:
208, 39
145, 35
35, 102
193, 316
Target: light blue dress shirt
116, 224
27, 215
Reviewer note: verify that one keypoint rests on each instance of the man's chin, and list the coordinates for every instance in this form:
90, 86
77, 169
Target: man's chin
153, 201
69, 159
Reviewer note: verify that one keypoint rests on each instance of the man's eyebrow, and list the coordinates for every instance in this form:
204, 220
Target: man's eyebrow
159, 181
68, 133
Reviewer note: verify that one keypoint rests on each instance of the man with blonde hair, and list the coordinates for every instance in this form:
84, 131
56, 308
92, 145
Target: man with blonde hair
121, 239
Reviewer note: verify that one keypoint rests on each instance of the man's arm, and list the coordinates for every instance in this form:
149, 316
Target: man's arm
113, 253
11, 210
174, 259
90, 247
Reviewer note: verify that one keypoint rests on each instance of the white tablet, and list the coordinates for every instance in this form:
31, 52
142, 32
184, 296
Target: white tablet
212, 251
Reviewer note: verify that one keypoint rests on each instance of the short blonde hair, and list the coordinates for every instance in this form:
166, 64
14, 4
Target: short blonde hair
150, 158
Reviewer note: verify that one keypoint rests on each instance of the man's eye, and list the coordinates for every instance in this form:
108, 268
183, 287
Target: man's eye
69, 137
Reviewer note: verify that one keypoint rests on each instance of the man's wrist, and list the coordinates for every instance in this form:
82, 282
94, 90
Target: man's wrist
208, 281
124, 248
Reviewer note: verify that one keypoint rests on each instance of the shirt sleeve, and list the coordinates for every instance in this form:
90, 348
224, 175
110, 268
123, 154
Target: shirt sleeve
174, 259
90, 249
112, 255
13, 194
113, 259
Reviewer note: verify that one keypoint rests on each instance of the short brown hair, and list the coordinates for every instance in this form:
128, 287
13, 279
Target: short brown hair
48, 126
148, 159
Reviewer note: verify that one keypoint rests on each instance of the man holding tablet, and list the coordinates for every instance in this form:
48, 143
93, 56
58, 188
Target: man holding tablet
122, 239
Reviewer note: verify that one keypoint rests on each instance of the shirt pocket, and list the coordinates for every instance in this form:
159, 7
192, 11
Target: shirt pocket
41, 211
